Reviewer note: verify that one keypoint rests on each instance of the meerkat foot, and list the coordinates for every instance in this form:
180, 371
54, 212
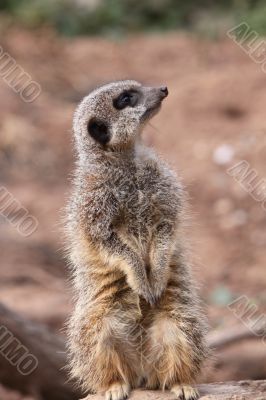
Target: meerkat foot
185, 392
154, 386
117, 391
152, 382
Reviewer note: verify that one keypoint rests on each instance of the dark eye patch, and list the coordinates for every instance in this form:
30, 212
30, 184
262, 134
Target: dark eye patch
128, 98
99, 130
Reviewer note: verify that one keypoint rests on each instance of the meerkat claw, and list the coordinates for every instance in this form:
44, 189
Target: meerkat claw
185, 392
117, 391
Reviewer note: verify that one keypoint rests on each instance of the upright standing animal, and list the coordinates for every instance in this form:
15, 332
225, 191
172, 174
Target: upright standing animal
137, 318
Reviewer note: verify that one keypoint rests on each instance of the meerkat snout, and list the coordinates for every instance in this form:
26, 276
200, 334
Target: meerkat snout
164, 90
113, 116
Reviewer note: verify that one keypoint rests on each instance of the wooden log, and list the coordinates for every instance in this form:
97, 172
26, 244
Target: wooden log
218, 340
32, 359
243, 390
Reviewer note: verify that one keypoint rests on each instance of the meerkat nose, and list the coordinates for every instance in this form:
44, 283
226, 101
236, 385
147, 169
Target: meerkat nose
164, 91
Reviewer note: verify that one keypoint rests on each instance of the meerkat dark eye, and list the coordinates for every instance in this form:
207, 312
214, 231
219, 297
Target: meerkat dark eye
129, 98
98, 130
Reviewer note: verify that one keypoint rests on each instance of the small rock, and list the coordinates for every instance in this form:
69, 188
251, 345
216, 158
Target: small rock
221, 296
223, 154
239, 217
236, 218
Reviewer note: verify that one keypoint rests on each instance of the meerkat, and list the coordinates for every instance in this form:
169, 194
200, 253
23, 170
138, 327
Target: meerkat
137, 318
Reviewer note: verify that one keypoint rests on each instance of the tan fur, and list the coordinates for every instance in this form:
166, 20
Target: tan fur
137, 314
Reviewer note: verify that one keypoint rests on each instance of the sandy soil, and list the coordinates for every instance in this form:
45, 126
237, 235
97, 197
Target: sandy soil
213, 118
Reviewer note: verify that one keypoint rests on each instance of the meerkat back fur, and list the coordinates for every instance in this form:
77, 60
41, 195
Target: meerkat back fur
137, 318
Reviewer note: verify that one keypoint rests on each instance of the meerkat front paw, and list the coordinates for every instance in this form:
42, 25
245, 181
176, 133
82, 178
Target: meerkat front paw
117, 391
185, 392
144, 290
157, 287
148, 294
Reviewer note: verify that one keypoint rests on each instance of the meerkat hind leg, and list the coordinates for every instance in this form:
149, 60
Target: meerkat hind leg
117, 391
185, 392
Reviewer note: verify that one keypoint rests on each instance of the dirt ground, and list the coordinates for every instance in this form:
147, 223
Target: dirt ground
213, 118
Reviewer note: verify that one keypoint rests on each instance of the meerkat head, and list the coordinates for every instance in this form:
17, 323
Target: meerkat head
113, 115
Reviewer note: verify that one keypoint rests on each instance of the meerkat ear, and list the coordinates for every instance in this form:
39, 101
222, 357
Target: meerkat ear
98, 130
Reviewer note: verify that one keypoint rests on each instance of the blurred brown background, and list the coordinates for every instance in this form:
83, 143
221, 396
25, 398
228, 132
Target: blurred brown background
213, 118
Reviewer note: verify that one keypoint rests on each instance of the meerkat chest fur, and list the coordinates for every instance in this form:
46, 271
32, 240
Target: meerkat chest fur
141, 191
145, 193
